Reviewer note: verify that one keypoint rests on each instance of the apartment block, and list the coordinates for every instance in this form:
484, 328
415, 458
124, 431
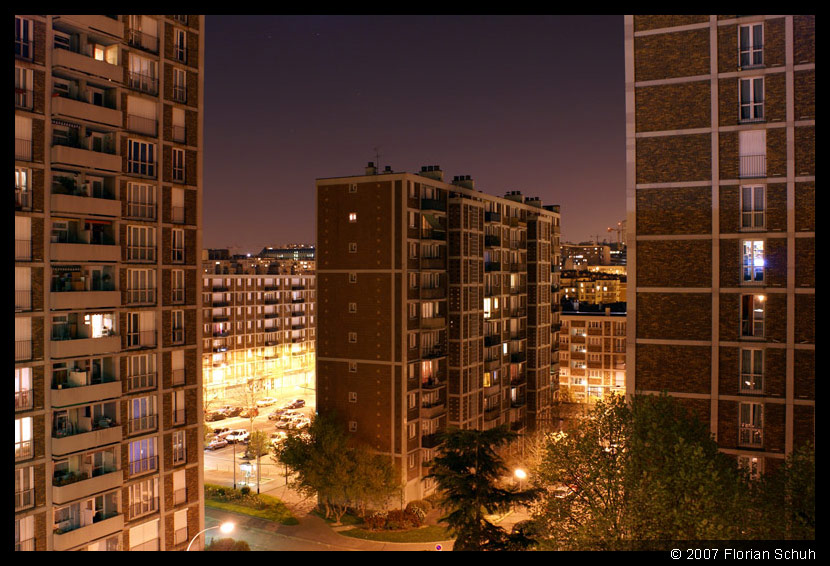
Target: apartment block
720, 187
257, 327
593, 287
436, 308
591, 355
108, 160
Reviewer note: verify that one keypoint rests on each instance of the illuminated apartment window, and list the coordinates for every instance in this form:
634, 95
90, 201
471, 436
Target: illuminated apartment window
753, 313
753, 261
353, 367
352, 307
352, 337
352, 397
352, 217
751, 425
352, 247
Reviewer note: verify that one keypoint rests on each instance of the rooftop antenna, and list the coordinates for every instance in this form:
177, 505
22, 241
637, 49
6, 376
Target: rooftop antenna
377, 158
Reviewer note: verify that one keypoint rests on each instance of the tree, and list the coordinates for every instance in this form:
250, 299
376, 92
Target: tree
648, 471
341, 473
468, 475
226, 544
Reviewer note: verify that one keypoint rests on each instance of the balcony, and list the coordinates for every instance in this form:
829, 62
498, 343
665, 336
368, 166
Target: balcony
143, 41
141, 210
518, 357
142, 125
141, 508
104, 525
433, 204
490, 365
433, 292
141, 339
86, 439
93, 23
433, 263
433, 322
81, 251
432, 410
141, 381
492, 241
492, 340
74, 347
434, 234
23, 450
22, 149
432, 383
492, 217
143, 466
432, 353
87, 65
83, 393
492, 266
81, 204
23, 400
85, 299
83, 110
75, 485
432, 440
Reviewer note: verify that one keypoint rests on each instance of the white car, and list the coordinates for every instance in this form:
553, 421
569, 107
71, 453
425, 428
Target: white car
239, 435
267, 402
216, 443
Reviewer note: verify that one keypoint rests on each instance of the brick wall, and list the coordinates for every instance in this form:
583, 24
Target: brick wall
648, 22
805, 262
805, 374
671, 55
673, 106
686, 210
805, 319
691, 259
804, 39
673, 368
668, 159
805, 150
674, 316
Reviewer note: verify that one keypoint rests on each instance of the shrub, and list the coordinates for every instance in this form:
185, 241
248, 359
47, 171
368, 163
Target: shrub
245, 490
375, 521
225, 544
417, 512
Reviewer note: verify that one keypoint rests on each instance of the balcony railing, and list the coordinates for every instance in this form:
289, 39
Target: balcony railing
432, 204
141, 210
492, 217
23, 450
751, 436
179, 134
144, 465
142, 124
752, 384
23, 98
24, 499
143, 381
180, 93
177, 376
142, 424
27, 545
178, 417
22, 199
23, 400
753, 166
143, 41
144, 507
177, 212
142, 82
142, 338
178, 336
22, 300
22, 350
141, 296
22, 149
177, 296
141, 253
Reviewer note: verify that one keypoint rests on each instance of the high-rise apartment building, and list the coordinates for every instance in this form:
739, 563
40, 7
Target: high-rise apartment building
591, 355
257, 327
108, 161
721, 218
436, 309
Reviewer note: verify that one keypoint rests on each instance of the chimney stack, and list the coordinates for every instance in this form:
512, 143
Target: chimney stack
432, 172
371, 169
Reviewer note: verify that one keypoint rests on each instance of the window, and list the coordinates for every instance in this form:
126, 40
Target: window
145, 536
353, 188
352, 307
752, 147
141, 329
353, 367
177, 367
141, 285
352, 217
178, 245
23, 449
751, 425
177, 403
143, 74
352, 247
178, 165
352, 396
143, 415
752, 207
180, 85
411, 460
179, 130
178, 326
23, 36
141, 201
751, 46
177, 285
24, 492
352, 426
752, 99
753, 261
142, 456
753, 464
180, 45
22, 389
753, 309
144, 497
23, 138
141, 158
411, 402
141, 371
23, 94
411, 430
352, 277
22, 188
179, 483
141, 115
352, 337
752, 371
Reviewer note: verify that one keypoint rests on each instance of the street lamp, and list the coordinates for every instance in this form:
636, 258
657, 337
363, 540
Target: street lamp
226, 528
520, 475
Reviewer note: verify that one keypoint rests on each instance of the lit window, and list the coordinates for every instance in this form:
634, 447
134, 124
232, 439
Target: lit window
352, 307
752, 371
753, 311
353, 217
352, 397
352, 337
753, 261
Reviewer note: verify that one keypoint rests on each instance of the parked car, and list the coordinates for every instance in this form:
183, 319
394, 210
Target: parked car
266, 402
239, 435
221, 430
215, 443
297, 404
275, 415
249, 412
213, 417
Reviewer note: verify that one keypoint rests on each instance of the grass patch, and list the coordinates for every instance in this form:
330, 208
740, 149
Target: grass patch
261, 506
429, 533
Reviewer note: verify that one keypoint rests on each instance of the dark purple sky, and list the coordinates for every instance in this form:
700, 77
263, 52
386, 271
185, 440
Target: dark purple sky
529, 103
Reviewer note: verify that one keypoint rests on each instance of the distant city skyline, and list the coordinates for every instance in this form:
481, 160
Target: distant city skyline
526, 103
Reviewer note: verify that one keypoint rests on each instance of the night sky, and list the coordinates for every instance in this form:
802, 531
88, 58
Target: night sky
529, 103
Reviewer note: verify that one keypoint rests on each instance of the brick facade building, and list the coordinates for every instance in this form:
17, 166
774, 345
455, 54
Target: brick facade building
721, 219
436, 308
108, 161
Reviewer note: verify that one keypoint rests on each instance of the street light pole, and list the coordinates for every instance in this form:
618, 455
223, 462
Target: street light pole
234, 464
224, 527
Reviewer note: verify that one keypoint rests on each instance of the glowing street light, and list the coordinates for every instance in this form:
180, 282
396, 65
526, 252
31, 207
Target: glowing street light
226, 528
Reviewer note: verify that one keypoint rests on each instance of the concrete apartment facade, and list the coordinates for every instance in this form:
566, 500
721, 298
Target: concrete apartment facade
436, 309
257, 327
108, 217
720, 189
591, 355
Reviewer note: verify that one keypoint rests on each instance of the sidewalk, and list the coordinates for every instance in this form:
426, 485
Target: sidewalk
313, 533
